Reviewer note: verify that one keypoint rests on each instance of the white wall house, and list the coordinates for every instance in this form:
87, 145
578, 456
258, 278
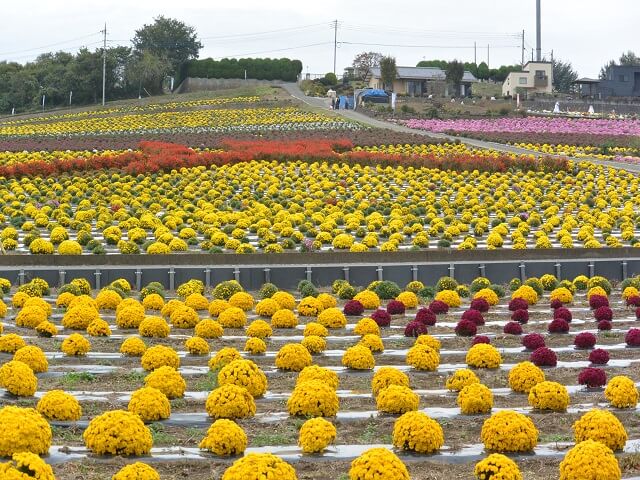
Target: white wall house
535, 78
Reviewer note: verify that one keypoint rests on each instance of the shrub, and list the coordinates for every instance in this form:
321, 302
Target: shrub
244, 373
585, 340
518, 304
438, 307
621, 392
258, 466
387, 376
376, 460
483, 355
466, 328
159, 356
524, 376
558, 325
417, 432
313, 398
600, 426
136, 471
118, 432
397, 399
75, 345
549, 396
512, 328
590, 459
358, 357
18, 378
23, 430
599, 356
603, 313
426, 316
592, 377
395, 307
230, 401
508, 431
353, 308
316, 434
387, 290
224, 437
632, 337
533, 341
428, 341
293, 357
168, 380
415, 329
381, 317
25, 466
605, 325
473, 315
150, 404
597, 301
479, 304
474, 399
322, 374
563, 313
544, 357
520, 316
423, 357
34, 357
497, 466
480, 339
460, 379
133, 347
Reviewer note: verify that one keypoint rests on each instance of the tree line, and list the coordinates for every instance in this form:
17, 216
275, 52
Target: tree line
257, 68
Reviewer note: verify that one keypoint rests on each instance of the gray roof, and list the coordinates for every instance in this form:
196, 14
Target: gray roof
423, 73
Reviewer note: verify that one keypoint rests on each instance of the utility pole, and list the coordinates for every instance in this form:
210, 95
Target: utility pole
522, 48
552, 57
104, 63
488, 55
475, 54
538, 32
335, 44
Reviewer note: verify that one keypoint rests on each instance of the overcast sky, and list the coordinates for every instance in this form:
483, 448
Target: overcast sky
586, 32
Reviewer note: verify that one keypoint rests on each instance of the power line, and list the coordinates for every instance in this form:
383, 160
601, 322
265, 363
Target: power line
398, 45
275, 50
51, 44
302, 27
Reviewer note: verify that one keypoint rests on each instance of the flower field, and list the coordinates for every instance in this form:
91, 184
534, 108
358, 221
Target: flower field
373, 378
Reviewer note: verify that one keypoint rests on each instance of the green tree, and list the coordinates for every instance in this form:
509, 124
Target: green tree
454, 73
364, 62
563, 76
483, 71
388, 71
146, 70
442, 64
170, 39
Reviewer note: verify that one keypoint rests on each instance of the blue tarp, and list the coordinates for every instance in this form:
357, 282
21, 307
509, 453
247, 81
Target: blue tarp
374, 92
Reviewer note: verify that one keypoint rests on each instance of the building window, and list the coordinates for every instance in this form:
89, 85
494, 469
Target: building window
522, 80
623, 78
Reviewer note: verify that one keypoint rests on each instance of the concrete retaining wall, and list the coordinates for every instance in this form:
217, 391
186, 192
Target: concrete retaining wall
191, 84
286, 270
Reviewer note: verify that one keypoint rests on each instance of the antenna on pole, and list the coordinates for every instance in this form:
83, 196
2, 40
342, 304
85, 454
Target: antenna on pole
475, 54
523, 48
538, 32
104, 63
335, 44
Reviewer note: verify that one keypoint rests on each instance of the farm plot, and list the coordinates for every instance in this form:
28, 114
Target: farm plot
186, 381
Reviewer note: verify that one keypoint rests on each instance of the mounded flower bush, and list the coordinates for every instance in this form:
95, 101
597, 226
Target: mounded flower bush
314, 344
460, 379
284, 318
632, 337
475, 398
426, 316
259, 466
381, 317
316, 434
376, 461
244, 373
592, 377
512, 328
590, 459
397, 399
466, 328
150, 404
387, 376
136, 471
223, 356
259, 329
599, 356
621, 392
59, 405
159, 356
497, 466
230, 401
585, 340
372, 342
509, 431
18, 378
313, 399
118, 432
417, 432
224, 437
34, 357
549, 396
415, 329
293, 357
75, 345
601, 426
358, 357
23, 430
322, 374
25, 466
533, 341
423, 357
544, 357
332, 318
168, 380
483, 355
524, 376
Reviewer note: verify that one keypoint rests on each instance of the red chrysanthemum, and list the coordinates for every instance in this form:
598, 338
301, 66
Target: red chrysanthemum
394, 307
558, 325
512, 328
480, 339
520, 316
426, 316
415, 329
585, 340
518, 304
438, 307
473, 315
563, 313
603, 313
479, 304
533, 341
596, 301
353, 308
544, 357
599, 356
466, 328
633, 337
381, 317
592, 377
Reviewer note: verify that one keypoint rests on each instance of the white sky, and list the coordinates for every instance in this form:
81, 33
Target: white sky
586, 32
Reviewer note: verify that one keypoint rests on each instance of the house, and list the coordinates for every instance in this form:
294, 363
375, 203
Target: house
535, 78
419, 81
620, 81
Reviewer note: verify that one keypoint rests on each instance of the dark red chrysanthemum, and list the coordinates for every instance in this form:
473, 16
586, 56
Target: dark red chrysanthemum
544, 357
479, 304
533, 341
603, 313
353, 307
518, 304
438, 307
520, 316
592, 377
596, 301
426, 316
473, 315
633, 301
394, 307
599, 356
381, 317
480, 339
466, 328
563, 313
585, 340
633, 337
512, 328
605, 325
558, 325
415, 329
555, 303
